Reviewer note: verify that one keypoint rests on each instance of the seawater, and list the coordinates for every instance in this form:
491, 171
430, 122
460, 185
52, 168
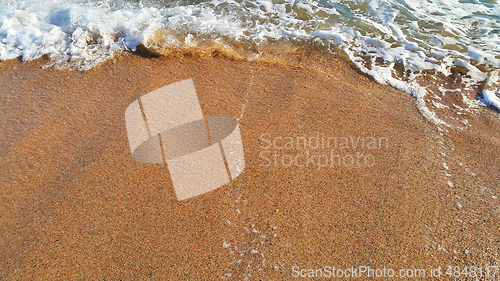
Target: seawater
397, 42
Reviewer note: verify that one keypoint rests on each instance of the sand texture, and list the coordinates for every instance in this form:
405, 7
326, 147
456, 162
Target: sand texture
74, 205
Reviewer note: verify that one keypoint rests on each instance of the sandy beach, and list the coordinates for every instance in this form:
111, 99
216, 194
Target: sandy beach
74, 205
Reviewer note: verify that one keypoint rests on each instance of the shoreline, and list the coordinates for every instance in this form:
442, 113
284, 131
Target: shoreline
76, 206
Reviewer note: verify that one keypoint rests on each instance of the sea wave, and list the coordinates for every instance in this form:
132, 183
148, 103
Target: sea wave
397, 42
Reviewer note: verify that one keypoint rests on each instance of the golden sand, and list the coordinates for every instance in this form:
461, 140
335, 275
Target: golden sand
75, 205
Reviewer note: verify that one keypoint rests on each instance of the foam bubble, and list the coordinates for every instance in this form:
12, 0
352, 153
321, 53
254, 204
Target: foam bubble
492, 93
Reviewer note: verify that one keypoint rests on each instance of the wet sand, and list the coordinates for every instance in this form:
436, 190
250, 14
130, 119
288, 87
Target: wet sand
74, 205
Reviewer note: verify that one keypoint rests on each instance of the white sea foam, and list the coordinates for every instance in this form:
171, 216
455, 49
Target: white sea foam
420, 35
492, 94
